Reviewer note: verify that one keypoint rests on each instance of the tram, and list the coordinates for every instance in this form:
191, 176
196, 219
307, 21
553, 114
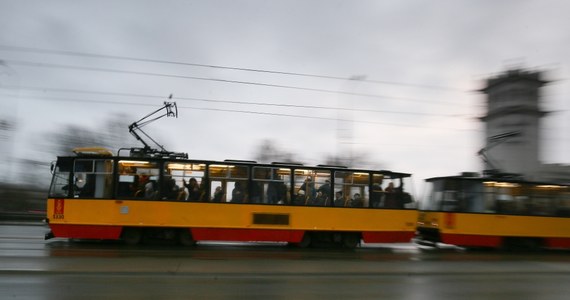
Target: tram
97, 195
494, 211
154, 193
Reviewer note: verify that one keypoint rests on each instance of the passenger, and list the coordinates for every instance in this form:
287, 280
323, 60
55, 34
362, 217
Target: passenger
182, 194
150, 190
339, 199
356, 201
320, 200
300, 199
390, 200
140, 187
403, 198
309, 189
390, 188
238, 194
130, 188
376, 195
193, 189
88, 189
170, 189
276, 192
68, 189
218, 194
325, 192
203, 191
255, 192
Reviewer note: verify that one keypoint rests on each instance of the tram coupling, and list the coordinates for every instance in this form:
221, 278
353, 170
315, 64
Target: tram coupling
49, 235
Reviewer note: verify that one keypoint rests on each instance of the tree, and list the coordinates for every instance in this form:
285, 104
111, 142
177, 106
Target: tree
114, 135
268, 153
355, 160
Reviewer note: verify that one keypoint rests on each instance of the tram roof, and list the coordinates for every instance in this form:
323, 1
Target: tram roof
493, 178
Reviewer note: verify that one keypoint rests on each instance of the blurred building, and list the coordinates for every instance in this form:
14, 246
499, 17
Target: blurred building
6, 147
513, 122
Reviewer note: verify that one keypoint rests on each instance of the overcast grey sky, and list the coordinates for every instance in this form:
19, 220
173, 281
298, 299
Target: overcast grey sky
426, 58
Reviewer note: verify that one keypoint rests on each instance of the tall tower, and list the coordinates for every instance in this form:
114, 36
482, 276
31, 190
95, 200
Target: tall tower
513, 112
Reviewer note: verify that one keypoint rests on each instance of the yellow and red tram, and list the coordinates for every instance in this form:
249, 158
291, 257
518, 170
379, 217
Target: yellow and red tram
95, 195
494, 211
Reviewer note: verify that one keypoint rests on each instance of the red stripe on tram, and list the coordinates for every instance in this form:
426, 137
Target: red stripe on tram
86, 231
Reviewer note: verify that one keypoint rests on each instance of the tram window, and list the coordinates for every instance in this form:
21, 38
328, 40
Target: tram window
239, 192
184, 182
312, 187
94, 178
435, 196
228, 171
489, 198
395, 195
218, 191
263, 173
351, 188
270, 185
376, 191
510, 198
234, 182
449, 202
506, 203
471, 198
456, 195
542, 206
138, 179
361, 180
61, 177
544, 200
324, 189
262, 177
563, 205
377, 179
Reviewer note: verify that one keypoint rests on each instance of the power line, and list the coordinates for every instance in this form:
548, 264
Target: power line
234, 101
96, 69
246, 112
128, 58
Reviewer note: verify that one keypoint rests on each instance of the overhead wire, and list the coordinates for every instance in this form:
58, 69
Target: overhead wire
234, 101
245, 111
99, 69
138, 59
119, 71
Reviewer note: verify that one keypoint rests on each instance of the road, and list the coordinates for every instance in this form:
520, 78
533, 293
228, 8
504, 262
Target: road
31, 268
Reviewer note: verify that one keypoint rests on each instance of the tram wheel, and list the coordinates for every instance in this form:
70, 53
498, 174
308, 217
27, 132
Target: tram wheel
350, 240
522, 244
306, 241
185, 238
132, 236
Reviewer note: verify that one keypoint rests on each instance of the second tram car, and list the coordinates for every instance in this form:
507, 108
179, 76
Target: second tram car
494, 211
96, 195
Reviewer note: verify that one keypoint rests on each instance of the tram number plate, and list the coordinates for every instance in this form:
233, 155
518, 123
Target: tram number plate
59, 209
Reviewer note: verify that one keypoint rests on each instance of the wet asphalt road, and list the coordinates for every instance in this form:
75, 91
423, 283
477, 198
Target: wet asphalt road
31, 268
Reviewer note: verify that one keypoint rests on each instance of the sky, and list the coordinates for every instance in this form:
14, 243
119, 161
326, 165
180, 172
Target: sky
392, 82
